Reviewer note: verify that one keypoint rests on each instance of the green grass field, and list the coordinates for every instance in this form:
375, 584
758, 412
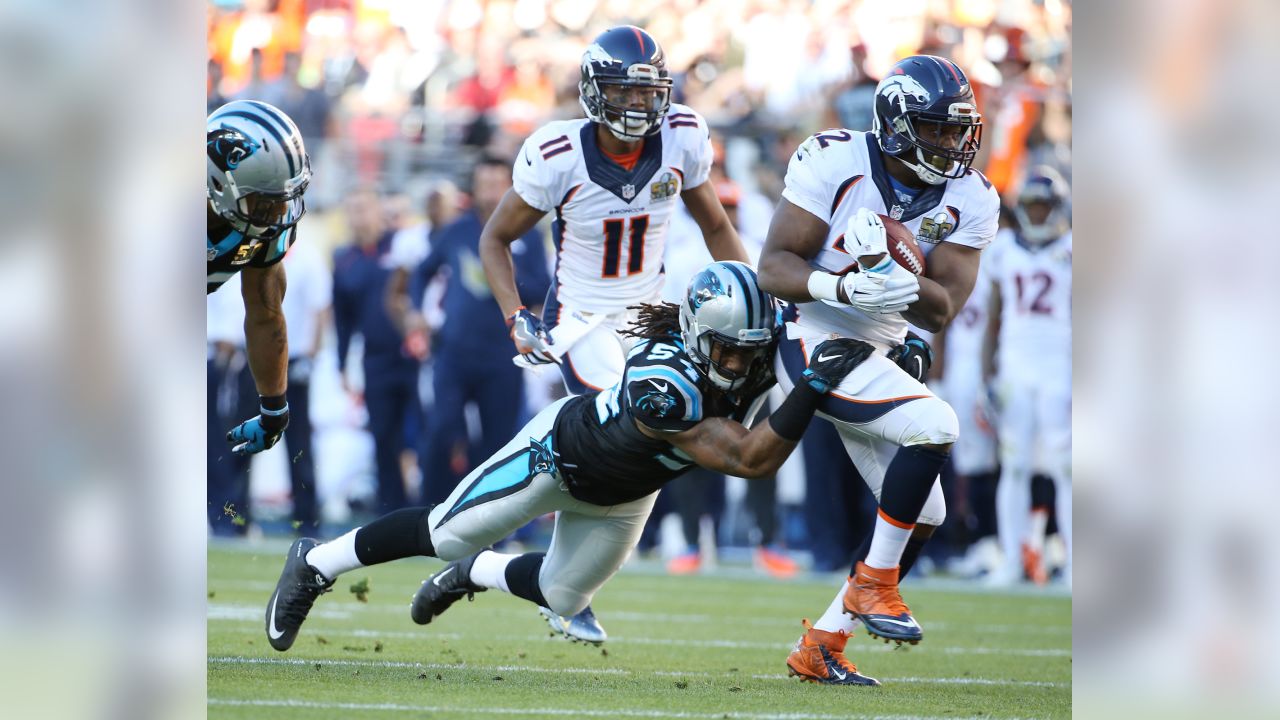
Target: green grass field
679, 647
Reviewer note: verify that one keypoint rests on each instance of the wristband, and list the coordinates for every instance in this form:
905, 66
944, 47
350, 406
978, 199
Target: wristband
790, 420
274, 405
824, 286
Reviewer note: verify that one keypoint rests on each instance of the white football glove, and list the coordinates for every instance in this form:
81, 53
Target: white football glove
880, 292
865, 234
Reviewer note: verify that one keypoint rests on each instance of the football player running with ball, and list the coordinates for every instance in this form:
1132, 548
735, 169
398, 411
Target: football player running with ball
257, 173
612, 179
915, 167
696, 377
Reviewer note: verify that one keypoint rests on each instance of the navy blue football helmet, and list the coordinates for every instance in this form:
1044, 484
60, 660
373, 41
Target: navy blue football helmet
625, 84
1043, 186
928, 89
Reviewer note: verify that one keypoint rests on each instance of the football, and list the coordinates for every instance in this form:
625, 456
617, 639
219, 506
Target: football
903, 246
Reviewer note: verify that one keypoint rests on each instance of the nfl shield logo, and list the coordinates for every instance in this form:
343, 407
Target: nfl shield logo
212, 254
628, 191
896, 212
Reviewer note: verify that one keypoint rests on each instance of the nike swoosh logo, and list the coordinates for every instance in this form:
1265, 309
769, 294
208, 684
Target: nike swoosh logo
661, 388
903, 623
527, 161
272, 632
839, 674
824, 358
436, 580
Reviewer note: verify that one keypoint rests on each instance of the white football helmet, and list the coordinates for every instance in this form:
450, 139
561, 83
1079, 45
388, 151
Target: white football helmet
257, 166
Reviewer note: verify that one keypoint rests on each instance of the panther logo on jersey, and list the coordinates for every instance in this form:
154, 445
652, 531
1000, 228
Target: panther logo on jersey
897, 87
656, 404
665, 187
541, 457
228, 147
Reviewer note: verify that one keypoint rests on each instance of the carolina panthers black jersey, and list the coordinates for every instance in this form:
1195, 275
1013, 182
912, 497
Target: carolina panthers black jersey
603, 456
230, 252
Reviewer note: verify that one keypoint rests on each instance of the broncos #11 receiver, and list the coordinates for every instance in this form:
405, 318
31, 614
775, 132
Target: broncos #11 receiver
257, 173
612, 179
915, 167
597, 460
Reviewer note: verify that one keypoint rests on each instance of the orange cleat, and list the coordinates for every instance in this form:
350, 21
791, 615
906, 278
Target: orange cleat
818, 657
1033, 565
775, 563
874, 599
686, 563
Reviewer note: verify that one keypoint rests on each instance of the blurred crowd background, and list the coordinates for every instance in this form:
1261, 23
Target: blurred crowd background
399, 99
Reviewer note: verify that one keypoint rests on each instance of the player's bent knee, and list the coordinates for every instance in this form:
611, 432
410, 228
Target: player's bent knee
450, 547
564, 600
935, 423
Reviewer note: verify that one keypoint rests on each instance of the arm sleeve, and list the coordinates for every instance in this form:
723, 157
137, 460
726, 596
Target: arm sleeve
534, 179
532, 278
662, 398
805, 187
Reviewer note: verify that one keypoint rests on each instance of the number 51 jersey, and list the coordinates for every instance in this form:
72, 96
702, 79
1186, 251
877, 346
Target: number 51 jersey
834, 173
611, 223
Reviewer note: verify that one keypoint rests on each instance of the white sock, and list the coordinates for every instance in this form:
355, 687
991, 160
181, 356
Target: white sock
490, 570
835, 619
887, 543
1039, 521
336, 556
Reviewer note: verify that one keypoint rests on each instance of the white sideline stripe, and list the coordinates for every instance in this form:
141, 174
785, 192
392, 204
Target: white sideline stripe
242, 611
571, 712
231, 660
871, 646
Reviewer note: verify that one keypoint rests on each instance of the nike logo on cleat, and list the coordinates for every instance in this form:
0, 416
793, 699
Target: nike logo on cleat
272, 632
824, 358
436, 580
839, 674
903, 623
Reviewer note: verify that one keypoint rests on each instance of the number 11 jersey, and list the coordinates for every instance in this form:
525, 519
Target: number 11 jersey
611, 223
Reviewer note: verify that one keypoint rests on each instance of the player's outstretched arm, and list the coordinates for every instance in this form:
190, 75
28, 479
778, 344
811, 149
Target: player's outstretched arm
795, 236
727, 446
513, 218
267, 346
266, 342
722, 239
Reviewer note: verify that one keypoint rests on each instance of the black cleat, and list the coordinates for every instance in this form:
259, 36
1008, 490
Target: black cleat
443, 589
299, 586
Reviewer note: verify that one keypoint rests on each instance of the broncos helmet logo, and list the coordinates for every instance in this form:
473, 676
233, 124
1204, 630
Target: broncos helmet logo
896, 88
228, 147
706, 287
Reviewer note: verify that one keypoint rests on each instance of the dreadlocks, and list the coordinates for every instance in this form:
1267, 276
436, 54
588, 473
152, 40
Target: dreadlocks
654, 321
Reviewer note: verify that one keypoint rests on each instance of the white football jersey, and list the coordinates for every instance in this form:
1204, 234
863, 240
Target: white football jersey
611, 223
834, 173
965, 336
1035, 303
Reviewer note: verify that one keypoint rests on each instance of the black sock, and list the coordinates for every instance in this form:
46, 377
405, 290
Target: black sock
400, 534
522, 577
907, 482
915, 544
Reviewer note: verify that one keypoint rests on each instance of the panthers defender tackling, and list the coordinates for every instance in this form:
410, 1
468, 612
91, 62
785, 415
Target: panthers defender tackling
257, 172
915, 167
612, 180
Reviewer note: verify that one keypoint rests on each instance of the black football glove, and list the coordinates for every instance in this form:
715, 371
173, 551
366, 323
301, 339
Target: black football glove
833, 360
914, 355
263, 431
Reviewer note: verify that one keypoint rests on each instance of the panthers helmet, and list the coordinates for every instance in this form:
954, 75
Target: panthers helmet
258, 168
1045, 186
624, 60
725, 307
924, 88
